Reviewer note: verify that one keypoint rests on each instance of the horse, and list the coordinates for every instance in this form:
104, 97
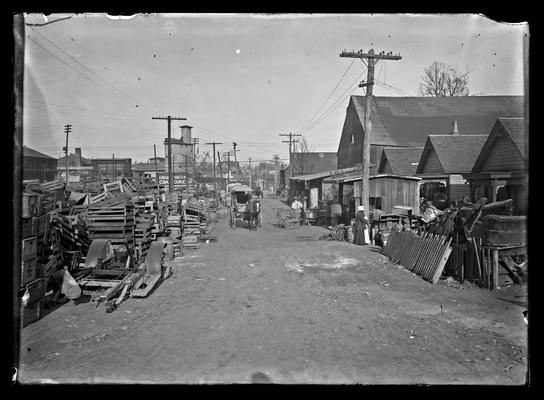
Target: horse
259, 193
253, 212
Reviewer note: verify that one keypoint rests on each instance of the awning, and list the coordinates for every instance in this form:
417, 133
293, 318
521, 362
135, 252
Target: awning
241, 188
310, 177
358, 178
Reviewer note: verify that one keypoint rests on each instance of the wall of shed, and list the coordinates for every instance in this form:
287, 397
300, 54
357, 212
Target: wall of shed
503, 156
395, 192
349, 155
43, 169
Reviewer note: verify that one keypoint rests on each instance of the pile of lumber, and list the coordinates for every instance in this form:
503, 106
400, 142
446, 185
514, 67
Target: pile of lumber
112, 219
337, 233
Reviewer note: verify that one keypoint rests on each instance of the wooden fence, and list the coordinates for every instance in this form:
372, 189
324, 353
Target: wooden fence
425, 255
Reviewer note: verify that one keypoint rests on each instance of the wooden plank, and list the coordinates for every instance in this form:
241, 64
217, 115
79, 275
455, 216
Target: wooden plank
440, 267
495, 285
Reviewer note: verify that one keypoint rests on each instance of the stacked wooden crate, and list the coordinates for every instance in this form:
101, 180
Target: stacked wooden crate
112, 219
191, 226
73, 232
142, 232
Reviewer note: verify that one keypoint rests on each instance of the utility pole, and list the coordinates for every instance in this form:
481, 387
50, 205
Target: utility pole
194, 142
156, 169
67, 130
220, 166
290, 141
186, 177
214, 177
227, 153
276, 160
234, 144
113, 158
250, 173
372, 59
170, 119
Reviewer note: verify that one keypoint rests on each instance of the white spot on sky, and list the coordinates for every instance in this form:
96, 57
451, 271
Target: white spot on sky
237, 51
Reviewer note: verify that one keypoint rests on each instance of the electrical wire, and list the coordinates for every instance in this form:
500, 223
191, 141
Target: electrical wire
329, 96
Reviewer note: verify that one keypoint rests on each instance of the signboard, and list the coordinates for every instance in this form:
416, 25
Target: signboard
178, 180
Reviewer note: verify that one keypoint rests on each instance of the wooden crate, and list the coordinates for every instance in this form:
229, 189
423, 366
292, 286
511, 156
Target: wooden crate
36, 289
29, 248
30, 205
26, 227
28, 271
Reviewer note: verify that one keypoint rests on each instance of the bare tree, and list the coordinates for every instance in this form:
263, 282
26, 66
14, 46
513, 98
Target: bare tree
305, 164
441, 80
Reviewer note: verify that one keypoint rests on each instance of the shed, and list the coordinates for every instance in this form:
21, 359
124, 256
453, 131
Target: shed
37, 165
447, 158
310, 186
400, 160
501, 169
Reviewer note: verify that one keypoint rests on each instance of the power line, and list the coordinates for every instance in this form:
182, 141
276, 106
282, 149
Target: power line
336, 103
79, 72
329, 96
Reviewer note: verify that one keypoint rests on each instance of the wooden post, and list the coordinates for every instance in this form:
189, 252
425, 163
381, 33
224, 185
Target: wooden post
495, 268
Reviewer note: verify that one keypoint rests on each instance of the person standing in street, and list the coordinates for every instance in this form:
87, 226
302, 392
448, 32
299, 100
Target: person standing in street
296, 206
360, 235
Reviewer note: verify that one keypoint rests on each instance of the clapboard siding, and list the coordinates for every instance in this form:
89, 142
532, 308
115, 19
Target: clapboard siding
431, 164
350, 154
503, 156
458, 191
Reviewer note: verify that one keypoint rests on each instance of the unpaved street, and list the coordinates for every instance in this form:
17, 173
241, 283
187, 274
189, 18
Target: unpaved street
281, 306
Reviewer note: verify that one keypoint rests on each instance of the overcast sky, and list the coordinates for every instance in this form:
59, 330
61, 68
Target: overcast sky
243, 78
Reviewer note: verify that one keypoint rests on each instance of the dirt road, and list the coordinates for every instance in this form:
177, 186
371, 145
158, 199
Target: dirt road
281, 306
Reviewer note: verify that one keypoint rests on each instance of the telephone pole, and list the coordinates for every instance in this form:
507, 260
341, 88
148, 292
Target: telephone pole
290, 141
194, 141
371, 59
234, 144
169, 119
67, 130
227, 153
156, 170
276, 160
214, 177
113, 158
250, 173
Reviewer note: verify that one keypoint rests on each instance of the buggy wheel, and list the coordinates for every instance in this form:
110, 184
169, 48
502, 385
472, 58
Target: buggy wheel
232, 221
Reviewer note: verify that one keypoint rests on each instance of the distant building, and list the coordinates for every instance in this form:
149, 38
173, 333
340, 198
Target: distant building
37, 165
79, 168
312, 162
147, 172
112, 169
181, 151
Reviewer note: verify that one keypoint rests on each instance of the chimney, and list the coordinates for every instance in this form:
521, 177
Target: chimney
454, 130
186, 133
77, 162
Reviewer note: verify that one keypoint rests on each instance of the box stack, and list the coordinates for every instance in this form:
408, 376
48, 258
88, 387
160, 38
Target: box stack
29, 255
142, 233
191, 226
112, 219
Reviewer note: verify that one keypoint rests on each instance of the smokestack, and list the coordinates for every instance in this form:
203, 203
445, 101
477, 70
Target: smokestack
454, 130
78, 157
186, 133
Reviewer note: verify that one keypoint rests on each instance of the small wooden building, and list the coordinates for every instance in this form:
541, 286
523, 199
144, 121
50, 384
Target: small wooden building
37, 165
446, 157
501, 169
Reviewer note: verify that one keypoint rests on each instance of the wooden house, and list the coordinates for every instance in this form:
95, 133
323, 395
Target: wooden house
402, 161
407, 121
501, 169
446, 158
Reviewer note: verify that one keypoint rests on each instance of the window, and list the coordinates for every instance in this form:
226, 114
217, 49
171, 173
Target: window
375, 202
352, 139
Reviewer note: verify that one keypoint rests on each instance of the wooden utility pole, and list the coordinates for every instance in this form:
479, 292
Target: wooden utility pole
234, 144
186, 177
156, 169
170, 119
194, 142
250, 173
276, 160
214, 177
67, 130
290, 141
227, 153
113, 158
372, 59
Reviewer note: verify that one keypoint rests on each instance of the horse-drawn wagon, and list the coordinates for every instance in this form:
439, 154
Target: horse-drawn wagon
243, 207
